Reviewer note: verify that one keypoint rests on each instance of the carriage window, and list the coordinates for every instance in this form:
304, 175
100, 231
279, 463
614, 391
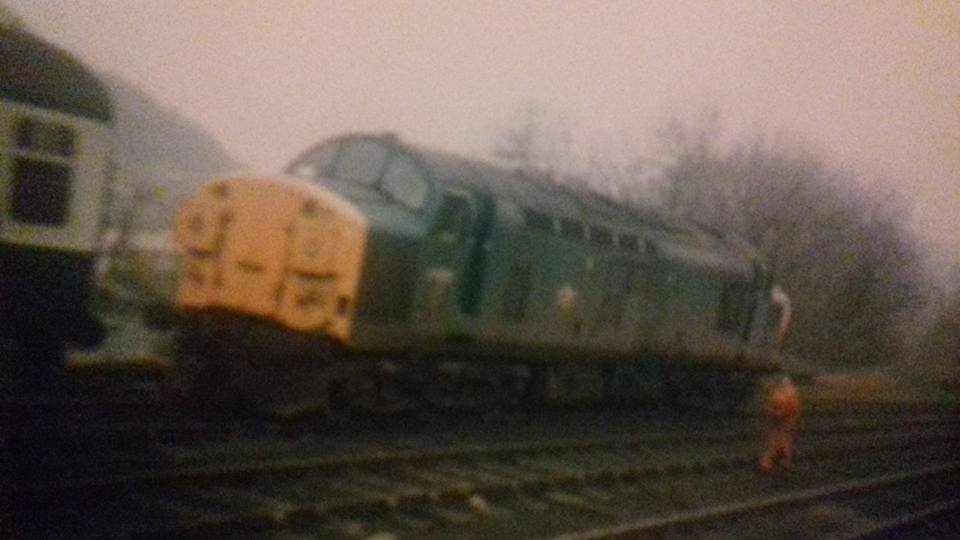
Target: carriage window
571, 229
44, 138
361, 160
601, 236
40, 187
316, 164
537, 220
41, 192
404, 183
454, 215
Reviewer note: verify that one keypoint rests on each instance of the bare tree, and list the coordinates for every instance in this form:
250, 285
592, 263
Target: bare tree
539, 144
536, 145
688, 160
841, 251
617, 168
942, 339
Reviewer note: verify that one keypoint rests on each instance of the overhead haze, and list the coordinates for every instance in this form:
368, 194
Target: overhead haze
874, 85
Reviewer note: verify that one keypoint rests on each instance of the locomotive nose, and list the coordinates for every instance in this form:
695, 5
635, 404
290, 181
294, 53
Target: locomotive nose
271, 249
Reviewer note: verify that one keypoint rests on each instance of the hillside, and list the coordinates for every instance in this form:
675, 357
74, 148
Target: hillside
162, 155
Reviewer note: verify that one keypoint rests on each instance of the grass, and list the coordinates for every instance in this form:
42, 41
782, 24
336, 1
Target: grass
934, 382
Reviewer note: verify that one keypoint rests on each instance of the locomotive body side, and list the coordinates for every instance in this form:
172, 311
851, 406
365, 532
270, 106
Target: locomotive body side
438, 264
54, 175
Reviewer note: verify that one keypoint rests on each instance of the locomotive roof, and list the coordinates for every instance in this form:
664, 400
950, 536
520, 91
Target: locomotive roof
537, 192
544, 194
37, 73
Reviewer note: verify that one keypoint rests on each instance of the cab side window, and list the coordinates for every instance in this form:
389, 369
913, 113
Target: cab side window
455, 216
403, 182
361, 161
318, 163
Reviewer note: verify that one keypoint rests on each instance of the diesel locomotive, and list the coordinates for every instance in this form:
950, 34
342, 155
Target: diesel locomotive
55, 125
375, 273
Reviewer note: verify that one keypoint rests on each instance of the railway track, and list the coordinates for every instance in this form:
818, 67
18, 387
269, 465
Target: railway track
116, 459
122, 438
881, 506
475, 490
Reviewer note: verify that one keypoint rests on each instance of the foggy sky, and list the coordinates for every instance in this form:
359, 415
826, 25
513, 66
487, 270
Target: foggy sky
873, 85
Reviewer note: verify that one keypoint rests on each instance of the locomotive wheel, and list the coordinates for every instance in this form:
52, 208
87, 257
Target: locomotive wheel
381, 392
468, 393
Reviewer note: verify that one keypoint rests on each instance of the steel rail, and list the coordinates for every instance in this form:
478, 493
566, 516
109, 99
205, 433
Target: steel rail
365, 459
903, 524
727, 511
271, 514
122, 427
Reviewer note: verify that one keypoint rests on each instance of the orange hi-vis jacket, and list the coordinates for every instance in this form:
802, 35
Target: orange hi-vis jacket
784, 402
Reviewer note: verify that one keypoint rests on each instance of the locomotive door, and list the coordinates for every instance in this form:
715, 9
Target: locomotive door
475, 272
450, 247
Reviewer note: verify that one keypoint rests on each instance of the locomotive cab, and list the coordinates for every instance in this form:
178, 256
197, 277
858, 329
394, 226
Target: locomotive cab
426, 239
335, 255
331, 247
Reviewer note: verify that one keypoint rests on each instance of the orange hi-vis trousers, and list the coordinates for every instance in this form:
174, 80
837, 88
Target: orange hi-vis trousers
779, 445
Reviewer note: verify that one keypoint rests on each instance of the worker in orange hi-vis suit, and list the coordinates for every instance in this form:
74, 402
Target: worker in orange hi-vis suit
782, 410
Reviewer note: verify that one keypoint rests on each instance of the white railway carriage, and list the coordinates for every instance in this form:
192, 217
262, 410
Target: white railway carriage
55, 121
